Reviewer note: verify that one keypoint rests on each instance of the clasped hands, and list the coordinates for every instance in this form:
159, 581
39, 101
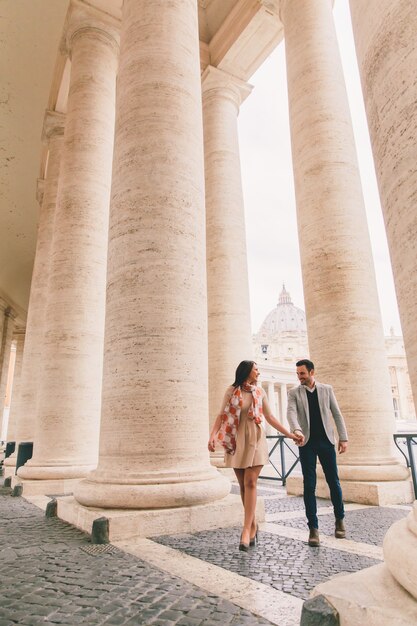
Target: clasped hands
298, 437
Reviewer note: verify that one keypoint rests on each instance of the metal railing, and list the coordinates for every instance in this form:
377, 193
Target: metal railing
408, 441
282, 445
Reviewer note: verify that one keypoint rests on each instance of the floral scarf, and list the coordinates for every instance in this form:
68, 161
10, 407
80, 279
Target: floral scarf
231, 415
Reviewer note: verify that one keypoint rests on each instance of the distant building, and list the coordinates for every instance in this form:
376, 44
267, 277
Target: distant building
282, 340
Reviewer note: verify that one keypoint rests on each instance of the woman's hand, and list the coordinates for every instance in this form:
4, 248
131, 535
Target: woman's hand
298, 438
212, 444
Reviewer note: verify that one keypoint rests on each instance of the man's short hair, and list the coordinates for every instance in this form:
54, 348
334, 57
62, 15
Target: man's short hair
309, 364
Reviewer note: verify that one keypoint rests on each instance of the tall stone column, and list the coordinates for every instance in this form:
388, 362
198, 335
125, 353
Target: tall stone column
229, 327
385, 35
283, 396
67, 426
270, 430
154, 428
271, 399
25, 410
19, 338
343, 318
9, 316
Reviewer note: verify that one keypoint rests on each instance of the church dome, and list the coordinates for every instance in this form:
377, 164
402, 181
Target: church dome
284, 318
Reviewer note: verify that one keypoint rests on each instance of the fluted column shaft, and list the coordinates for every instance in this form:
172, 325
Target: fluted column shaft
25, 410
154, 413
343, 319
229, 327
69, 398
385, 35
19, 338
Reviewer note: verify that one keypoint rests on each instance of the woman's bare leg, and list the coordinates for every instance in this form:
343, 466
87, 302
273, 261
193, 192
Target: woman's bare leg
240, 475
250, 481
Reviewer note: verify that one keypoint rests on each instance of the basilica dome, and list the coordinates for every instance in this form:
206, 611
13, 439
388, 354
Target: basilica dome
284, 318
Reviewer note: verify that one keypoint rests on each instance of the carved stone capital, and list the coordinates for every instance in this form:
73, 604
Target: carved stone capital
86, 20
216, 83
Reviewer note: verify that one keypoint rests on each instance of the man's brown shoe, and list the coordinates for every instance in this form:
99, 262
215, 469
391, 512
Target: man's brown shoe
340, 531
313, 538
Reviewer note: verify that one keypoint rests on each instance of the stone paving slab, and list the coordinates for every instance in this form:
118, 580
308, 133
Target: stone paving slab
365, 525
49, 578
281, 562
267, 493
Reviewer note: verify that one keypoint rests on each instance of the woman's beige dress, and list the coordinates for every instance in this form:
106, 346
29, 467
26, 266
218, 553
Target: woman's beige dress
251, 444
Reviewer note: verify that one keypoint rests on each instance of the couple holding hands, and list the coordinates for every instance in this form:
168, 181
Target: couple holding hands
240, 428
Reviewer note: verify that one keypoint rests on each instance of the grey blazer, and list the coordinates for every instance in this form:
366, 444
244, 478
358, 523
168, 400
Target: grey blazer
298, 414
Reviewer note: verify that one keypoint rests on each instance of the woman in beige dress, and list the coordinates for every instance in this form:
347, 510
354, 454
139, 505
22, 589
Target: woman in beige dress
240, 427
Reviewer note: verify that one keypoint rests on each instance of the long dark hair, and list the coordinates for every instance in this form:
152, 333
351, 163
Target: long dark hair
242, 372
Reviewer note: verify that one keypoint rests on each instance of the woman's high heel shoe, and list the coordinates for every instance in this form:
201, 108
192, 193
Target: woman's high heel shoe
243, 546
254, 540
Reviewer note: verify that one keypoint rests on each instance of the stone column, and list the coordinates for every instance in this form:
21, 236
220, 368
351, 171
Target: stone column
3, 308
385, 35
283, 396
343, 318
25, 410
9, 317
270, 430
229, 327
69, 397
19, 338
154, 429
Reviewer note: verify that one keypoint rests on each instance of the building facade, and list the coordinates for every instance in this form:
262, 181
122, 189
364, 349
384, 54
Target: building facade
282, 340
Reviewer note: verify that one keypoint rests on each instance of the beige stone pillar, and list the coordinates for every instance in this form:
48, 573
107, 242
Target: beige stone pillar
25, 410
9, 316
154, 429
385, 36
66, 437
19, 339
229, 327
343, 319
283, 397
270, 390
3, 308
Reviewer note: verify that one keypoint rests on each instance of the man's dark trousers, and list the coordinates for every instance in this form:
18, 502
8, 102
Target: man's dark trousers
325, 451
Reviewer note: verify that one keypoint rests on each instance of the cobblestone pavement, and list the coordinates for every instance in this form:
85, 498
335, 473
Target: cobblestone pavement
53, 575
283, 563
365, 525
48, 577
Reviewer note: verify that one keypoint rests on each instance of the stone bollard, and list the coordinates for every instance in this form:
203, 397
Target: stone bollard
51, 508
17, 491
100, 530
319, 612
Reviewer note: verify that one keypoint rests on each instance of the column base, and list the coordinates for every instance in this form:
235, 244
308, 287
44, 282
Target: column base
127, 524
9, 470
45, 487
153, 490
29, 471
371, 597
228, 473
217, 459
362, 492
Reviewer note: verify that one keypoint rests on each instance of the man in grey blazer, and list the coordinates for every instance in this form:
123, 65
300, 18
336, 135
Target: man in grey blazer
312, 411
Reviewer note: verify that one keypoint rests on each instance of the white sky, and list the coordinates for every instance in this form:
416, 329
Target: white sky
264, 135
